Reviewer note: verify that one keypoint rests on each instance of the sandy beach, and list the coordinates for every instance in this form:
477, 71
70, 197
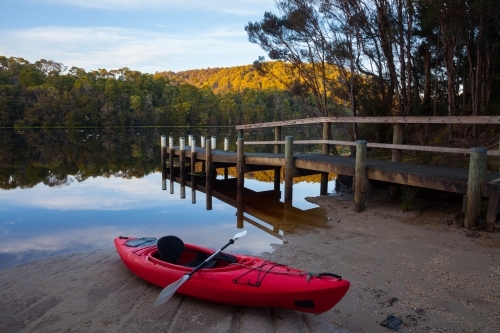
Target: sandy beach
419, 266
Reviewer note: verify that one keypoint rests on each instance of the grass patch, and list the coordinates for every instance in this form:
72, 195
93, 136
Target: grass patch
407, 195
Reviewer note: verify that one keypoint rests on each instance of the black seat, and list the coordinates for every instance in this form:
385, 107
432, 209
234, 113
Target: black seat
170, 248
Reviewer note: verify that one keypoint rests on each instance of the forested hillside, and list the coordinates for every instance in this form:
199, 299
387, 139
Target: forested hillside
47, 94
233, 79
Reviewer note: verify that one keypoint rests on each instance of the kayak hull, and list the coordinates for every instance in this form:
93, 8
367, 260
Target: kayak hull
250, 281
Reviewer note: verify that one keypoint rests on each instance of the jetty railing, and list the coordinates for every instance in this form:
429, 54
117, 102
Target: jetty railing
397, 132
477, 166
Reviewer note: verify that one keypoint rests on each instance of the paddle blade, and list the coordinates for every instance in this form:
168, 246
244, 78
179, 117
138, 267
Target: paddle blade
239, 235
170, 290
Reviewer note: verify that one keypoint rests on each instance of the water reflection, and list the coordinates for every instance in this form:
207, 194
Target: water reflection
256, 205
67, 191
47, 221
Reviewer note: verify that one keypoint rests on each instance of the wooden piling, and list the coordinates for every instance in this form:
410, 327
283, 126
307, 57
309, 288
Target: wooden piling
163, 164
163, 151
240, 133
202, 142
240, 181
325, 151
208, 173
277, 150
360, 175
277, 137
193, 170
397, 139
477, 170
288, 169
214, 142
171, 162
182, 166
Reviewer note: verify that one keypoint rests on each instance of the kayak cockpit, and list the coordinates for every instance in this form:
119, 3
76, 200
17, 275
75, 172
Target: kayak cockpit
172, 249
193, 258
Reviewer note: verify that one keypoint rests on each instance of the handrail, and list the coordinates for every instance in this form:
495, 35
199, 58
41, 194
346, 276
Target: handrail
378, 145
492, 120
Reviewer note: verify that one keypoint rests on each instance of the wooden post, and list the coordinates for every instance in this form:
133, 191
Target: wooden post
226, 143
182, 166
163, 151
397, 139
214, 143
326, 151
326, 136
171, 162
240, 180
163, 162
240, 219
208, 173
477, 170
288, 169
182, 143
193, 170
170, 142
360, 175
277, 137
277, 150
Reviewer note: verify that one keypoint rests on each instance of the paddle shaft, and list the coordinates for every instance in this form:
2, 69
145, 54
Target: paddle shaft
231, 241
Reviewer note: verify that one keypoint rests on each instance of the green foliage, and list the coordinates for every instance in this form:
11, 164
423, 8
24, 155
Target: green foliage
407, 194
44, 95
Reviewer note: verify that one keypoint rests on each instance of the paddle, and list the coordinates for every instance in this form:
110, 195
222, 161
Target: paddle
169, 290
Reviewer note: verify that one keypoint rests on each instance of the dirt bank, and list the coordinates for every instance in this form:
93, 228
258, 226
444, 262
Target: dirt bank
416, 265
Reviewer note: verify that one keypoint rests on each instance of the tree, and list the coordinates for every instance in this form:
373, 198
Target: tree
289, 38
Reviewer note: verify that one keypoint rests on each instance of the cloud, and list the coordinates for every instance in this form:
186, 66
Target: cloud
112, 48
92, 194
240, 7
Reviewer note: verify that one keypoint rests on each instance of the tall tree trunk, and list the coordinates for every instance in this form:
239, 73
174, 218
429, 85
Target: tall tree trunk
449, 42
427, 73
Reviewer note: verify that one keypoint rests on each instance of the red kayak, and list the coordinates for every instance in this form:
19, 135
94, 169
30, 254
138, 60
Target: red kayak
231, 279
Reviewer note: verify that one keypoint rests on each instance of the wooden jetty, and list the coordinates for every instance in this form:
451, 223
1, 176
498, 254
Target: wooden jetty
475, 183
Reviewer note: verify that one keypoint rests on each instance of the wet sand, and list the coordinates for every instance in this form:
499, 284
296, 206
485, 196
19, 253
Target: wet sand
417, 265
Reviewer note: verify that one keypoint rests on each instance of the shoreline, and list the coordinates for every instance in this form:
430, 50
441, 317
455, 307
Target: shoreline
416, 265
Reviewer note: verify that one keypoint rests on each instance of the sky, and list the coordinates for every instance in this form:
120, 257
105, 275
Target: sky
145, 35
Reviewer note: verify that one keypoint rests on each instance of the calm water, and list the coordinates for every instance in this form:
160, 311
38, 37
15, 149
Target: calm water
74, 191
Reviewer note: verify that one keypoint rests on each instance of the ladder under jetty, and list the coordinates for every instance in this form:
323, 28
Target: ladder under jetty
475, 183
